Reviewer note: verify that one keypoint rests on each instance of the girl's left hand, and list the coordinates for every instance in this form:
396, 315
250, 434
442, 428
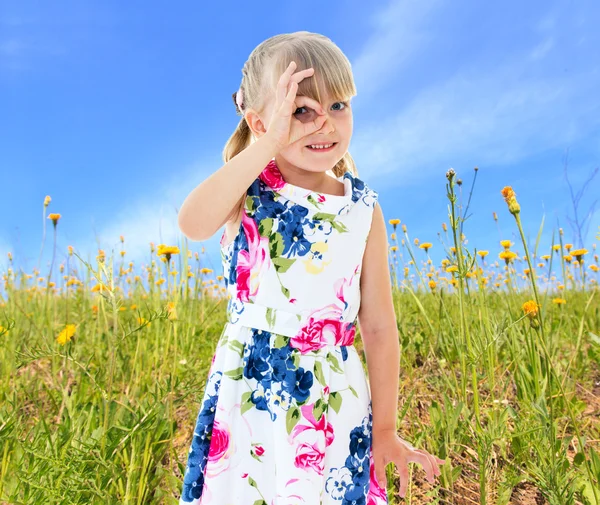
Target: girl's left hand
388, 447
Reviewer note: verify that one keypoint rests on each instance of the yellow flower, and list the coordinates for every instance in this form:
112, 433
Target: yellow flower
530, 308
47, 201
510, 198
172, 311
3, 330
394, 222
559, 301
578, 253
556, 247
54, 217
167, 251
66, 334
444, 227
507, 256
452, 268
426, 246
142, 321
568, 247
483, 254
432, 285
505, 243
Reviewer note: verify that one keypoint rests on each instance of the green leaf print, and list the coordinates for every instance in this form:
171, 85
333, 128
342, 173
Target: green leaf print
318, 409
237, 346
292, 417
335, 401
260, 502
265, 226
247, 403
276, 245
283, 264
280, 341
252, 482
236, 374
270, 317
353, 391
285, 291
296, 359
337, 225
335, 366
319, 373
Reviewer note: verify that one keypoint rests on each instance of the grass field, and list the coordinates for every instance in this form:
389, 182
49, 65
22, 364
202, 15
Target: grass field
102, 373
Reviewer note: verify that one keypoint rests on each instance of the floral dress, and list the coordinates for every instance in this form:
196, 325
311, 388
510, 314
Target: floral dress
286, 416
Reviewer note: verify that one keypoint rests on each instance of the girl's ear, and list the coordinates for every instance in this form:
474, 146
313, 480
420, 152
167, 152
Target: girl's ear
255, 123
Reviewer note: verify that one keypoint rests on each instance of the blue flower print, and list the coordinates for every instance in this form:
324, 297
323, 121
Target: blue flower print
291, 227
256, 354
193, 479
338, 481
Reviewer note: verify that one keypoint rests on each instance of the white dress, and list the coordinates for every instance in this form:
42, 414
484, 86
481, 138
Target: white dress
286, 415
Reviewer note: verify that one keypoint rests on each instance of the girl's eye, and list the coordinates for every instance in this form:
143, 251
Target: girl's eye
343, 103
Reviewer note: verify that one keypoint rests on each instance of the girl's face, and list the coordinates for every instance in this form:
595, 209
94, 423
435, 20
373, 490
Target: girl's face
337, 128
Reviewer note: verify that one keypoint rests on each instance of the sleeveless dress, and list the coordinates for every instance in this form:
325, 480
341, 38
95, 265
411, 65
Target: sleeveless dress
286, 414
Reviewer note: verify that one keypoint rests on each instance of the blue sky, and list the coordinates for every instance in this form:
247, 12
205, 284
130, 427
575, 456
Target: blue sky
117, 110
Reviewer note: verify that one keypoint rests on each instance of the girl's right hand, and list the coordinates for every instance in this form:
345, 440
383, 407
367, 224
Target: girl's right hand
283, 127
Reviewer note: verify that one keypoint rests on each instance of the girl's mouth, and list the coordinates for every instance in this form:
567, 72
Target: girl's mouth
322, 149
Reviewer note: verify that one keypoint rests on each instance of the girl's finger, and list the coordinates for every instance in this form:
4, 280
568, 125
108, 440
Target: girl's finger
424, 459
282, 84
403, 474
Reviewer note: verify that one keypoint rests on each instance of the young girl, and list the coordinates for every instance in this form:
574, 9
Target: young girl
288, 416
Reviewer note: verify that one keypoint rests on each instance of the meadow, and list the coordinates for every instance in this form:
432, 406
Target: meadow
102, 372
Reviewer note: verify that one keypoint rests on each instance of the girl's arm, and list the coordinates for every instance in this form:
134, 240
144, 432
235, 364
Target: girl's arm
210, 203
378, 328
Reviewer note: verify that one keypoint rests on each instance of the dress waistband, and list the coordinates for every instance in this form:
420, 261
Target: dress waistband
306, 332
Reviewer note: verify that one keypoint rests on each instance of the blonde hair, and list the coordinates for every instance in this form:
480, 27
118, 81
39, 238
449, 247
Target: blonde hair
270, 59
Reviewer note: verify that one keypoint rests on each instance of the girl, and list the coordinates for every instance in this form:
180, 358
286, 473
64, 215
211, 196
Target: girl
288, 415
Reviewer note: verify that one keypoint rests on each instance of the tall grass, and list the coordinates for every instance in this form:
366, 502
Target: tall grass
102, 374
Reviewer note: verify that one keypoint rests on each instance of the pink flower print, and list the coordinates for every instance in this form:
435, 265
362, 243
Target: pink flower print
308, 456
272, 177
321, 198
252, 261
376, 492
309, 337
220, 449
322, 426
244, 475
346, 334
295, 489
259, 450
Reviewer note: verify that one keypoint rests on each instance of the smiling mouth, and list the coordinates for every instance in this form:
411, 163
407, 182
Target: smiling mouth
324, 150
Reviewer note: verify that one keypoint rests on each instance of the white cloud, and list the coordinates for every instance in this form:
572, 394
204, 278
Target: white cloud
490, 114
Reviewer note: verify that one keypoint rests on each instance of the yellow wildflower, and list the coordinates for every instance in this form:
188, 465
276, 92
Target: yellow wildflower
66, 334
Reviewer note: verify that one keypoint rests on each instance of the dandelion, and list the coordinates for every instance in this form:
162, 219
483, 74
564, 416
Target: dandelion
530, 308
172, 311
506, 244
167, 251
483, 254
432, 285
578, 253
510, 198
66, 334
426, 246
394, 222
559, 301
54, 218
452, 268
507, 256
